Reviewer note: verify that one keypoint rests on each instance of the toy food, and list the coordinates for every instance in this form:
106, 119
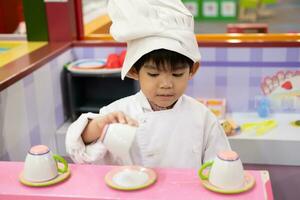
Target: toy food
122, 57
229, 126
113, 61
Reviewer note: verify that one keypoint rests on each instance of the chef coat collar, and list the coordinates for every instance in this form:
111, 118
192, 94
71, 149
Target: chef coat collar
145, 105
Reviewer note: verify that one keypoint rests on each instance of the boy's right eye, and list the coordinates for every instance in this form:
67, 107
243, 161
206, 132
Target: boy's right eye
152, 74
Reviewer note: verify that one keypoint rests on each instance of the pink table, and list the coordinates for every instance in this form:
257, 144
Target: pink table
87, 182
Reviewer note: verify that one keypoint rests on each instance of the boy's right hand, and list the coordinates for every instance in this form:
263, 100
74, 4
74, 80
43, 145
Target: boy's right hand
115, 117
95, 127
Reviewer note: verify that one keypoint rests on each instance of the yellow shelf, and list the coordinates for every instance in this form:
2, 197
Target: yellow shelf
16, 49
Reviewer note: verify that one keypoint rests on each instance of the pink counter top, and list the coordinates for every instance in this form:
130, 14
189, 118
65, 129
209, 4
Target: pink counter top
87, 182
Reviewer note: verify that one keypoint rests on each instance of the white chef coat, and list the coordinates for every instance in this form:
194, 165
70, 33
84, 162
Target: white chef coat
185, 136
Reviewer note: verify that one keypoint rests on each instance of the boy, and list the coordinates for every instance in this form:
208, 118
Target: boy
174, 130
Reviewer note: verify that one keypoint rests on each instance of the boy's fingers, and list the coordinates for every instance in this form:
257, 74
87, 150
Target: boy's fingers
101, 122
112, 118
121, 117
131, 121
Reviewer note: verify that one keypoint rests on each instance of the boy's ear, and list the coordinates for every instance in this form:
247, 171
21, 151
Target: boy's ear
132, 73
194, 69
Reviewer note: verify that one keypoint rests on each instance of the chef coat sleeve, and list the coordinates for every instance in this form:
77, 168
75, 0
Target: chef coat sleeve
75, 147
216, 139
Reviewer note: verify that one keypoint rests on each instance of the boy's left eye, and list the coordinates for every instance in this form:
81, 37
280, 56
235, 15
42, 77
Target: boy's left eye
178, 74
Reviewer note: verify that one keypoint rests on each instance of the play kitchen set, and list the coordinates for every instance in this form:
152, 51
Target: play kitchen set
45, 175
276, 108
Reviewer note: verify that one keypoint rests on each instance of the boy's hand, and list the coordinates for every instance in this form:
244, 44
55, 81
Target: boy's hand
115, 117
95, 127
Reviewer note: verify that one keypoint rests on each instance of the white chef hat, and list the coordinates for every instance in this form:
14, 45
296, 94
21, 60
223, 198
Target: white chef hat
147, 25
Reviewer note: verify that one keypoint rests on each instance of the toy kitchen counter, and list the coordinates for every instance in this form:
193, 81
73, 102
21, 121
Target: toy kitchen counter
87, 183
274, 146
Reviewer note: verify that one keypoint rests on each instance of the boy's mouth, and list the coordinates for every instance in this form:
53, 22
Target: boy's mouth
165, 95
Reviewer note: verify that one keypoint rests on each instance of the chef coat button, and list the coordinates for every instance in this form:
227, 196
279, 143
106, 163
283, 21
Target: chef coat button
143, 120
150, 154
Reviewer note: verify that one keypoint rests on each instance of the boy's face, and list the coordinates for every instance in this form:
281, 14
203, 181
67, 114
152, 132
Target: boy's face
163, 87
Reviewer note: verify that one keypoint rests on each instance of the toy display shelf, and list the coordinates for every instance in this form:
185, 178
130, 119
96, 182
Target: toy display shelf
90, 91
274, 147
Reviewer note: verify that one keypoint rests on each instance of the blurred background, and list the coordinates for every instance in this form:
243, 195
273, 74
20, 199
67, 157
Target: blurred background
211, 16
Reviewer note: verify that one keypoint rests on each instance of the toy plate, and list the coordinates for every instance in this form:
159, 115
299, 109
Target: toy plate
60, 178
130, 178
249, 182
91, 66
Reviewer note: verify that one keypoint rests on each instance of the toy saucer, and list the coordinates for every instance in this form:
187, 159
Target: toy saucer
130, 178
60, 178
249, 182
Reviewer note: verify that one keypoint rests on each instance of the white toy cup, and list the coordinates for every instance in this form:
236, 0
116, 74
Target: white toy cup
226, 171
41, 165
118, 139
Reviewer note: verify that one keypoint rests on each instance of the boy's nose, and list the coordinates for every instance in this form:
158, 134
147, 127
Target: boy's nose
166, 82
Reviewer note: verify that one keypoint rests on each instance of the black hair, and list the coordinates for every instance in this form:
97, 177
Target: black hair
164, 59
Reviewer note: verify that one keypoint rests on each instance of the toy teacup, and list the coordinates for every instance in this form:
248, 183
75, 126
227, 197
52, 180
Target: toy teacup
118, 139
226, 171
41, 165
